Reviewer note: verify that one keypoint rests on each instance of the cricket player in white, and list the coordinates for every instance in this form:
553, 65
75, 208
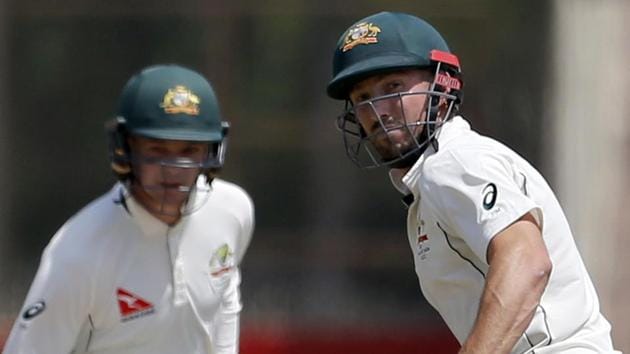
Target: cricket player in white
153, 265
493, 250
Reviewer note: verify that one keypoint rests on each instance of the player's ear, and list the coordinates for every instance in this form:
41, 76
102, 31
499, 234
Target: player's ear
445, 89
118, 146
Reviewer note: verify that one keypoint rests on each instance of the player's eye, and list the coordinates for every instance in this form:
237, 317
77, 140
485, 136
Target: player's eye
191, 150
360, 97
394, 86
157, 150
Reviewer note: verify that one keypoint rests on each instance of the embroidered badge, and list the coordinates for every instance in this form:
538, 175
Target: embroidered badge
362, 33
222, 261
180, 100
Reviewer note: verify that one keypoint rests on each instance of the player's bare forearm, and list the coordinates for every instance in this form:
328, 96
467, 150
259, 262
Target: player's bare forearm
517, 277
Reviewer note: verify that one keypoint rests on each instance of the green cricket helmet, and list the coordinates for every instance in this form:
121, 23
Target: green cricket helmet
383, 43
167, 102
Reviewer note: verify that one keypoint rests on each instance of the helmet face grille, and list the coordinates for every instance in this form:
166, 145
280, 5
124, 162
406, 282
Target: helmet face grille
380, 148
122, 159
169, 183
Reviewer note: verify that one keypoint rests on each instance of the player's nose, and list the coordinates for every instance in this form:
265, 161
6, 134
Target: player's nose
383, 108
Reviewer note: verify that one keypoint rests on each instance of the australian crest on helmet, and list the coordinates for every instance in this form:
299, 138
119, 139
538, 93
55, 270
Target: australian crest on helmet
361, 33
180, 100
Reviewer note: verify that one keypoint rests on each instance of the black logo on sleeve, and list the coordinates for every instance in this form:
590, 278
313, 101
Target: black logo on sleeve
489, 196
34, 310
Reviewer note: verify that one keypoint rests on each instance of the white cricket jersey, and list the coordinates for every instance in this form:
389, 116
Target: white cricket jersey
114, 279
468, 191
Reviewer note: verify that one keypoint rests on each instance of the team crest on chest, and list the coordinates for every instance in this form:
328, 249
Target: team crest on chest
362, 33
222, 261
180, 100
422, 242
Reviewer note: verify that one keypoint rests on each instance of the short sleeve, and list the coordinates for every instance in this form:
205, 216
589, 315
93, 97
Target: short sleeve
476, 196
55, 309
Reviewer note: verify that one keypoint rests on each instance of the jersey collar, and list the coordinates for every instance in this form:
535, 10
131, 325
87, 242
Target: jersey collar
450, 130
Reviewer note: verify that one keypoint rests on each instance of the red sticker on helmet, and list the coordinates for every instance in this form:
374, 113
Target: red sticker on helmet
445, 57
448, 81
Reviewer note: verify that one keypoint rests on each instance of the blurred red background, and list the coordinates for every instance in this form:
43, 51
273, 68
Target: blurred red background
335, 341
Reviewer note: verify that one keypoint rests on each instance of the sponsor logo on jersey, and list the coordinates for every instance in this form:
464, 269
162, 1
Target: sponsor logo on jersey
180, 100
362, 33
222, 261
422, 242
489, 196
132, 306
34, 310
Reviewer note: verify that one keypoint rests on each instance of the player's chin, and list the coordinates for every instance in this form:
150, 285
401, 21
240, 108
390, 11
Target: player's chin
391, 149
393, 137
